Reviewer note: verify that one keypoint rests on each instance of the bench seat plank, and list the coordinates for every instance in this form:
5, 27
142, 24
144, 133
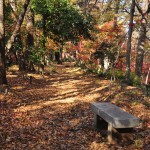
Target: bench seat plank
114, 115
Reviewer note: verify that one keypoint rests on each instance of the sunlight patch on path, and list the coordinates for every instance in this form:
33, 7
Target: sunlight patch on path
41, 105
69, 86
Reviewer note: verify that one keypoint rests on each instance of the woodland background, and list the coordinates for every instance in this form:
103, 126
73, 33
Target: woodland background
107, 37
101, 48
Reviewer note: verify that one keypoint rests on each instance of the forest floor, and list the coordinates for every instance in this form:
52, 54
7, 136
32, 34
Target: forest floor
53, 113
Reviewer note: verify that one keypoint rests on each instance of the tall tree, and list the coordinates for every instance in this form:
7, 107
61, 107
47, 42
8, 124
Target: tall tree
117, 3
30, 38
140, 50
128, 53
18, 25
13, 8
3, 79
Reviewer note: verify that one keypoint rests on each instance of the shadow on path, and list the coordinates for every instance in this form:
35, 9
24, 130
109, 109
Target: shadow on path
54, 112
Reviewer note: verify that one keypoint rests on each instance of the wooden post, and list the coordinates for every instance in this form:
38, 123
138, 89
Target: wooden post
30, 79
110, 133
95, 120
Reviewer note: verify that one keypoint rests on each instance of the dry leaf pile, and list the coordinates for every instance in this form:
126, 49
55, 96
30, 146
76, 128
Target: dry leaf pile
53, 113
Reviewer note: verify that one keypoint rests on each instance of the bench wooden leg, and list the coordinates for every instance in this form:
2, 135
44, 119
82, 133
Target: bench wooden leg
96, 121
110, 133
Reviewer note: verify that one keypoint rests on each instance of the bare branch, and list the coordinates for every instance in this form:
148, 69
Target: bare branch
13, 8
125, 10
93, 6
148, 38
141, 12
18, 26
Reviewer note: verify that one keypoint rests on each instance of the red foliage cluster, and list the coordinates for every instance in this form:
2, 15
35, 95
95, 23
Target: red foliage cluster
122, 65
109, 27
146, 67
96, 61
84, 57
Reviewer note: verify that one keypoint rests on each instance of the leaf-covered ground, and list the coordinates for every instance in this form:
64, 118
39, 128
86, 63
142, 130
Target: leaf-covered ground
53, 113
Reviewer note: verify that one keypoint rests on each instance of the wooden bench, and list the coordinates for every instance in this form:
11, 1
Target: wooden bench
115, 117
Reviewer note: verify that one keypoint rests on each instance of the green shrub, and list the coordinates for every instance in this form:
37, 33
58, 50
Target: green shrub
135, 80
119, 74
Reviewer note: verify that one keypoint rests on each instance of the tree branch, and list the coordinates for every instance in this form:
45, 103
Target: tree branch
141, 12
18, 26
13, 8
93, 6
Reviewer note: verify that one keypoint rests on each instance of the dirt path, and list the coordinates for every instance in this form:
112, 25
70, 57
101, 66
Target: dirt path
53, 113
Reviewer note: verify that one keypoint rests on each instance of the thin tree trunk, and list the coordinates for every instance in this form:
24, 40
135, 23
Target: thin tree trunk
30, 39
93, 6
142, 38
117, 4
147, 77
128, 70
13, 8
140, 50
44, 30
115, 25
3, 79
44, 38
86, 2
18, 25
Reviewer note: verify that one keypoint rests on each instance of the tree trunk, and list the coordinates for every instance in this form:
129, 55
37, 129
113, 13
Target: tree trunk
30, 39
85, 6
115, 25
20, 54
140, 50
142, 37
3, 79
13, 8
21, 62
128, 70
18, 25
44, 31
44, 38
117, 4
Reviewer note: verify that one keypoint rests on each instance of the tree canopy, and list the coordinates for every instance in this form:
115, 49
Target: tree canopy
64, 22
94, 31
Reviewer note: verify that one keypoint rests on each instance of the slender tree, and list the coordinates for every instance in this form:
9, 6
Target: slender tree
3, 79
128, 54
140, 50
30, 38
18, 25
117, 3
13, 8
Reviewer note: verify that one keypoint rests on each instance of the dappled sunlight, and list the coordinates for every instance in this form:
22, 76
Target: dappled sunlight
18, 87
97, 145
57, 107
14, 68
12, 76
131, 88
41, 104
74, 70
2, 97
98, 89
